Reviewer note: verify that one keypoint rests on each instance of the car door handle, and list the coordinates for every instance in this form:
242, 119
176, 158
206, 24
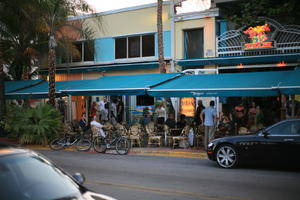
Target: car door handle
288, 140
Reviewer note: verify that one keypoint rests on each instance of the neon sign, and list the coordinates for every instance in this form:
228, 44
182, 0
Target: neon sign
258, 37
187, 106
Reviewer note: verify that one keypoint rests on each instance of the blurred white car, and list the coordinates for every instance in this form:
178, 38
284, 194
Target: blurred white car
27, 175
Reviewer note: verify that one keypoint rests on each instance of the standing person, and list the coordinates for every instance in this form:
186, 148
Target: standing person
103, 109
259, 118
104, 112
93, 110
209, 122
198, 113
120, 110
251, 125
161, 114
113, 111
61, 106
240, 112
102, 104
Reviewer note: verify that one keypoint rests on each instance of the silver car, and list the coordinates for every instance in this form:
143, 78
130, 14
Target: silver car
27, 175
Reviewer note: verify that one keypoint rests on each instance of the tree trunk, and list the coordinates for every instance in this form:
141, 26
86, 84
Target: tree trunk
52, 69
2, 91
161, 59
2, 86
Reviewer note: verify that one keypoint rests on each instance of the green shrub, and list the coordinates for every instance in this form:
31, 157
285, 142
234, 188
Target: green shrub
33, 125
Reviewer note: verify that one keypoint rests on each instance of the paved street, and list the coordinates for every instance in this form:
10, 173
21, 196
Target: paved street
155, 177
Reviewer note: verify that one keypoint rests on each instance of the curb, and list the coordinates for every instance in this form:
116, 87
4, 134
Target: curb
143, 152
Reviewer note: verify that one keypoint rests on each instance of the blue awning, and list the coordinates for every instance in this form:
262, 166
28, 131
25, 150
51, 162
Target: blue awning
291, 83
107, 85
100, 68
225, 85
235, 60
118, 85
11, 86
40, 91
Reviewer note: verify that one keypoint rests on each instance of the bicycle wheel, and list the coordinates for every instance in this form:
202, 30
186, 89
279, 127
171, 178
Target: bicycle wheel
57, 144
99, 144
122, 146
83, 144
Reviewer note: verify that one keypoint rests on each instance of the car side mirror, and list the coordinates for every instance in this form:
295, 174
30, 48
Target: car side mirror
80, 178
265, 133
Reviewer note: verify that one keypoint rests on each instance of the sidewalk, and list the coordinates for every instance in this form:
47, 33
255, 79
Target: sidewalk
158, 151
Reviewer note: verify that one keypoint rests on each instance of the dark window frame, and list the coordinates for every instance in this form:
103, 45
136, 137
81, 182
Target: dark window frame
84, 57
141, 49
188, 51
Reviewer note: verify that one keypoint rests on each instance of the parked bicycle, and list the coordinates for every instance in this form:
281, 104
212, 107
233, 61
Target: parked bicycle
78, 140
114, 140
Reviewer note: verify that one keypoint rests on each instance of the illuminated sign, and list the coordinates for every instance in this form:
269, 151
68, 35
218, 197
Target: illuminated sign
187, 106
258, 38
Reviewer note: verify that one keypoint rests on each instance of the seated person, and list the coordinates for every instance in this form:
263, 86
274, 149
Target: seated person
225, 123
147, 117
170, 122
182, 122
99, 126
83, 123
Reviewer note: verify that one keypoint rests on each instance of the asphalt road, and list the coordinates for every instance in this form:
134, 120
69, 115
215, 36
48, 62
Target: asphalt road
135, 177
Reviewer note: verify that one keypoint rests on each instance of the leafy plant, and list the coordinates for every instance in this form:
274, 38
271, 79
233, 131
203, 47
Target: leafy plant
33, 125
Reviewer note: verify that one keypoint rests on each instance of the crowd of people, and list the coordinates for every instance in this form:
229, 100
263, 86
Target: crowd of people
241, 118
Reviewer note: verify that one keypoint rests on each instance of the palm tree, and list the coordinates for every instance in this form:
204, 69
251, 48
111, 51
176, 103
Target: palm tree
2, 88
24, 35
161, 60
54, 16
17, 41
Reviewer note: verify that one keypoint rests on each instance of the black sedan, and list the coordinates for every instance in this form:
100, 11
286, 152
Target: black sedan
26, 175
278, 143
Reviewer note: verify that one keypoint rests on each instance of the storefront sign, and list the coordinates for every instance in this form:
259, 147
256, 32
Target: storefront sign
187, 106
258, 38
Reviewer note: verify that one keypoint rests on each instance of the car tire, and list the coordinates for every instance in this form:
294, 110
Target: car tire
227, 156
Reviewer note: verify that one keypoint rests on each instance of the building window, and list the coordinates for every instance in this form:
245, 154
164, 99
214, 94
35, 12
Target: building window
81, 51
121, 46
193, 43
148, 45
134, 46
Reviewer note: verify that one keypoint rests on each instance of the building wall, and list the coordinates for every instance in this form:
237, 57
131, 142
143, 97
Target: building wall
129, 22
208, 25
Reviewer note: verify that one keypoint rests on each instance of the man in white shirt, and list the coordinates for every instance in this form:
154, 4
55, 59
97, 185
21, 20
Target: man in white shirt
210, 121
103, 109
102, 104
99, 126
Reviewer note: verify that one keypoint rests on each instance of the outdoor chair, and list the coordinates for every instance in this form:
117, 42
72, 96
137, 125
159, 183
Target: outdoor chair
135, 135
168, 135
153, 138
121, 129
68, 129
182, 138
199, 136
